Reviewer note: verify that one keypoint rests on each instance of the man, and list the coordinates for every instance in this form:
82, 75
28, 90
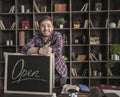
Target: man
48, 41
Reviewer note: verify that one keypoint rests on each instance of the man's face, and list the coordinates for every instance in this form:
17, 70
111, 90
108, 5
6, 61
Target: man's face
46, 28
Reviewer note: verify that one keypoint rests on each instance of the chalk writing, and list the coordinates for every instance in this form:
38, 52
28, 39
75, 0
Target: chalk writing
24, 74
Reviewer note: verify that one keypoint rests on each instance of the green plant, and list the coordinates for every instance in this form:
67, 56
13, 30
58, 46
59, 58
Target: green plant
59, 20
114, 49
110, 63
76, 22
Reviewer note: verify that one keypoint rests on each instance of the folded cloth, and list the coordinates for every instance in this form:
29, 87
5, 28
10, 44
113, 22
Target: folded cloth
84, 88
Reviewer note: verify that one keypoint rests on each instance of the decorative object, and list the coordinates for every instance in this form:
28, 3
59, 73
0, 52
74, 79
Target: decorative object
95, 73
22, 8
98, 6
25, 24
43, 8
112, 25
94, 40
81, 58
28, 10
77, 40
76, 24
65, 39
9, 42
59, 22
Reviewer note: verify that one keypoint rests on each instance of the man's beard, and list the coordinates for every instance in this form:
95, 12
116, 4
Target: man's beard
43, 35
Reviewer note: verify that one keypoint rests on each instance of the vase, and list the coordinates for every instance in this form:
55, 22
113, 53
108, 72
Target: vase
76, 25
61, 26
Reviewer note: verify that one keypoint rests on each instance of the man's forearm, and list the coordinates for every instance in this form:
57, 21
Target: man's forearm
33, 50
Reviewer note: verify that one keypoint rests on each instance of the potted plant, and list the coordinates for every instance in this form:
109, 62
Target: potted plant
115, 51
110, 63
76, 24
59, 21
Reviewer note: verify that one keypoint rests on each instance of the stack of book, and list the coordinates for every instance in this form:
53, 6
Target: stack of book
60, 7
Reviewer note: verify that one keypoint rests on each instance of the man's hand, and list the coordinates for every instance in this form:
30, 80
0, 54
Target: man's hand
46, 50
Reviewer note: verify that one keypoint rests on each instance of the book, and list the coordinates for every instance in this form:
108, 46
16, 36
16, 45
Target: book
118, 24
93, 56
84, 72
106, 24
36, 7
12, 9
85, 7
21, 38
60, 7
74, 71
2, 26
111, 87
65, 40
91, 23
57, 7
12, 26
36, 24
63, 7
86, 24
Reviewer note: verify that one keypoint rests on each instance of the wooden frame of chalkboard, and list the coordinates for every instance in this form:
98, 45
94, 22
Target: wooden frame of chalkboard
28, 74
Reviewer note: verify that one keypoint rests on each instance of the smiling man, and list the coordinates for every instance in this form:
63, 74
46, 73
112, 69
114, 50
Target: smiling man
48, 41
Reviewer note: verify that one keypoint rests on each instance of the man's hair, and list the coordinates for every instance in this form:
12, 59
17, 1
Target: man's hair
46, 17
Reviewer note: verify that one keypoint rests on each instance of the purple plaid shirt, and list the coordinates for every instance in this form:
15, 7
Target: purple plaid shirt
57, 46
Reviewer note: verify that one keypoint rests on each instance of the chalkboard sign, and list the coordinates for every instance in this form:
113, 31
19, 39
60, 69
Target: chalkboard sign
28, 74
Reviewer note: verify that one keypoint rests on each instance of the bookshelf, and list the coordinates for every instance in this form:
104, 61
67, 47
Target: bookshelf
86, 48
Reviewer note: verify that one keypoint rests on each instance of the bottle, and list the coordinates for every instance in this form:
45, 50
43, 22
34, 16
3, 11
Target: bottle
73, 95
73, 56
84, 38
100, 56
54, 95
